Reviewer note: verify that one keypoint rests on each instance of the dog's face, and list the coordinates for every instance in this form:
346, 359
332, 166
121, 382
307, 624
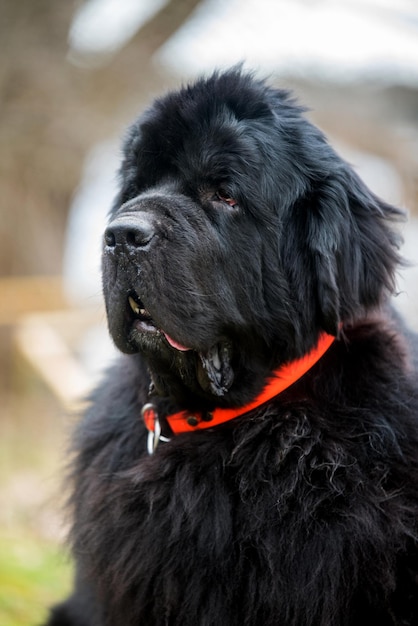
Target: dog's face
238, 236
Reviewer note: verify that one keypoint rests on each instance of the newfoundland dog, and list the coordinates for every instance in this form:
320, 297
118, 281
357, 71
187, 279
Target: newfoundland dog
252, 459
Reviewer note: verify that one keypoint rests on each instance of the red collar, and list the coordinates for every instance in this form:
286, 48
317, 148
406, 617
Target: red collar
282, 378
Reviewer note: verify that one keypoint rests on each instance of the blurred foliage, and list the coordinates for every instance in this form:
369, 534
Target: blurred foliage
35, 568
34, 574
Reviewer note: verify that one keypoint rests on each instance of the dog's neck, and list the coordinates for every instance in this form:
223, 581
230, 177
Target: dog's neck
281, 379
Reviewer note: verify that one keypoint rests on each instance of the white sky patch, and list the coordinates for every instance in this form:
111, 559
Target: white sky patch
345, 39
87, 221
104, 26
342, 40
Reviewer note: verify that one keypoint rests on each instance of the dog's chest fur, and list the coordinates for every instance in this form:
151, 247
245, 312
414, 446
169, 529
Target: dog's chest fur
291, 490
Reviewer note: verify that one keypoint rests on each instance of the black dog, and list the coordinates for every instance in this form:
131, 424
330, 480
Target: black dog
246, 275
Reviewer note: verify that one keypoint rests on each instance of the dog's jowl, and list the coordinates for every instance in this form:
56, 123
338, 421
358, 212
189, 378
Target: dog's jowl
252, 458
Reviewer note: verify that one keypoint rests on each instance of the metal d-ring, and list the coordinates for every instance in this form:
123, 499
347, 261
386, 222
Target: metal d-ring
155, 436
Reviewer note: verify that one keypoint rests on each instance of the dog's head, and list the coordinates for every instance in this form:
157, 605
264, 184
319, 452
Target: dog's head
238, 235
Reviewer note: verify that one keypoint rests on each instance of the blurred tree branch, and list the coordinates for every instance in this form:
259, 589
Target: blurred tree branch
52, 112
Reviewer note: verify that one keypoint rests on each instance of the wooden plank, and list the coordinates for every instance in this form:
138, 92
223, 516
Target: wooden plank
53, 359
20, 295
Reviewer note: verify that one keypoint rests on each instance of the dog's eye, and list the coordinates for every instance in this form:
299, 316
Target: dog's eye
223, 196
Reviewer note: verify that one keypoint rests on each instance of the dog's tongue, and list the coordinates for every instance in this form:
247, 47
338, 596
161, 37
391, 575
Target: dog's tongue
174, 343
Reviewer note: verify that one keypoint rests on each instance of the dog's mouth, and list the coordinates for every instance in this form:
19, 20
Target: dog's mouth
213, 366
144, 322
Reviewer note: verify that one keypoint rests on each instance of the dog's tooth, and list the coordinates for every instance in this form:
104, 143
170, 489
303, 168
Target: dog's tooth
135, 308
216, 360
143, 311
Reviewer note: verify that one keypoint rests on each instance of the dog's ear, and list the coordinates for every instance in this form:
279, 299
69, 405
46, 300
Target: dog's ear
352, 247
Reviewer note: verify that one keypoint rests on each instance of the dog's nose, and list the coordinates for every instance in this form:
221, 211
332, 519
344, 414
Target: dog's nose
129, 231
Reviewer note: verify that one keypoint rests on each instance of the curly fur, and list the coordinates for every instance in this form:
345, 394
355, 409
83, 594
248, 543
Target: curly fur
303, 512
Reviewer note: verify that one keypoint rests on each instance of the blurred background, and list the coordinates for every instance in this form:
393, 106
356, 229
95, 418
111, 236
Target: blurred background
72, 76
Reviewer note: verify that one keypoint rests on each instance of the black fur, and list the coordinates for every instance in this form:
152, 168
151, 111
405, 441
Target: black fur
244, 235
